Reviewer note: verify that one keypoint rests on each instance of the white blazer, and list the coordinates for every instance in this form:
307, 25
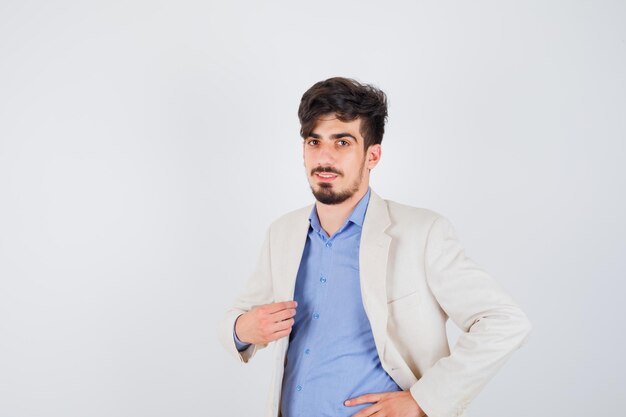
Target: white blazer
414, 276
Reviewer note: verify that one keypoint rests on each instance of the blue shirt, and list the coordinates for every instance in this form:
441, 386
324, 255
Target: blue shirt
332, 356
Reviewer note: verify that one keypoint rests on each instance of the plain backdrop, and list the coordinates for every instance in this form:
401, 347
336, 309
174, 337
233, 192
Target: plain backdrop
145, 146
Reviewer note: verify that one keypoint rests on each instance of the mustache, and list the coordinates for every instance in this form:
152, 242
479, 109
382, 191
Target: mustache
326, 169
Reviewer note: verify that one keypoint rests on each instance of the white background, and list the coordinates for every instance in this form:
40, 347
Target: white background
145, 146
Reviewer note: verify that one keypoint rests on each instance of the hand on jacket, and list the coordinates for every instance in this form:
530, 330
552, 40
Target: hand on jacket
266, 323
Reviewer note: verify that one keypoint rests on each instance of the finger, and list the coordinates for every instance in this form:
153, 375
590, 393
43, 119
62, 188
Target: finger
369, 411
275, 307
280, 335
363, 399
284, 314
282, 325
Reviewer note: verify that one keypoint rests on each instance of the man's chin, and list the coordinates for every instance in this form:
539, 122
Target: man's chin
326, 195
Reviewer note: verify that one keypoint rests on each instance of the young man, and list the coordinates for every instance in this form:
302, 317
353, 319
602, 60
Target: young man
356, 290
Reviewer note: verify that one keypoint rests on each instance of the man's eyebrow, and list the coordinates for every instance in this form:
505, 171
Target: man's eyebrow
343, 135
334, 136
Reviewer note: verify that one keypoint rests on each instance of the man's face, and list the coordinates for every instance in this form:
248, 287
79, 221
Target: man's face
336, 164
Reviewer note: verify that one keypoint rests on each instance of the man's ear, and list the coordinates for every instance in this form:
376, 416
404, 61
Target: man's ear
372, 155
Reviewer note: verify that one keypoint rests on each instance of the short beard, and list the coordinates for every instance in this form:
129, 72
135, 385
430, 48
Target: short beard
325, 194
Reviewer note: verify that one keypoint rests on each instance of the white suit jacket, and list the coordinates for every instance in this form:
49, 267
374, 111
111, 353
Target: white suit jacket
414, 276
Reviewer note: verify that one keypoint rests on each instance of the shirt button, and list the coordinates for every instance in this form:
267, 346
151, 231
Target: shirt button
299, 387
316, 316
307, 351
329, 244
322, 280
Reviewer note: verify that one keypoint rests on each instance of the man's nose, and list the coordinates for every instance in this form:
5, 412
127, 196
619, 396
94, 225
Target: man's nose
326, 155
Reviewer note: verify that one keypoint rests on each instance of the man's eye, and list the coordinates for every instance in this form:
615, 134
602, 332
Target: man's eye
312, 142
343, 143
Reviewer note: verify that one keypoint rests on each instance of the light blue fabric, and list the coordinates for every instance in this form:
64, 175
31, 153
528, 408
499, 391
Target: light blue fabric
332, 356
241, 346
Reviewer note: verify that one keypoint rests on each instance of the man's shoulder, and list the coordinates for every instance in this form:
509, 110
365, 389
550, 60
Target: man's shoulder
405, 220
405, 213
292, 218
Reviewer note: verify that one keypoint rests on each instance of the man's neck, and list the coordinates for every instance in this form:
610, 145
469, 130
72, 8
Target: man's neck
332, 217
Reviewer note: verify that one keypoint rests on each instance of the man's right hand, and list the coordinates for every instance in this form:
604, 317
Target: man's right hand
266, 323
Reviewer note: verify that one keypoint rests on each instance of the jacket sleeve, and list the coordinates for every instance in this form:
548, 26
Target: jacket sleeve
258, 290
493, 326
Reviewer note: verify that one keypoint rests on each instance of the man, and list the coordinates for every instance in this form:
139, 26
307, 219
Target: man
355, 291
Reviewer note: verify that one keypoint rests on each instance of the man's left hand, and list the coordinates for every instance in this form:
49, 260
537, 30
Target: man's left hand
387, 404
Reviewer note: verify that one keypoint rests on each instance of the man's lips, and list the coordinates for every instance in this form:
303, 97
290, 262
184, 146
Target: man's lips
325, 176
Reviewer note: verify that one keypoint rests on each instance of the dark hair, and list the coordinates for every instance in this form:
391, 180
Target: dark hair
349, 100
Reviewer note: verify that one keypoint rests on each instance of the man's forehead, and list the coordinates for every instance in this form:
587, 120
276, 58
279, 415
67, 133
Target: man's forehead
332, 120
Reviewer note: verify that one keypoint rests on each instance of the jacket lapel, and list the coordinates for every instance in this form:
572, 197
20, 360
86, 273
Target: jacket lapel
288, 253
373, 256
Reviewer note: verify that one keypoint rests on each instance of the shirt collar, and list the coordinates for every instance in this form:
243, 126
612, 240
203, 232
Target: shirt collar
357, 216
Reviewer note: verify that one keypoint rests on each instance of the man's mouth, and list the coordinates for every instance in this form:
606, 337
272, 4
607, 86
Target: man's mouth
325, 176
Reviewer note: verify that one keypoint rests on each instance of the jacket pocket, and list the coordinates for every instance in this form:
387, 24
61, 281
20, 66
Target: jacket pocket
404, 308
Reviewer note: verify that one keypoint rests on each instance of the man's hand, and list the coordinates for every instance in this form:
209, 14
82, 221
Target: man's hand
387, 404
266, 323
